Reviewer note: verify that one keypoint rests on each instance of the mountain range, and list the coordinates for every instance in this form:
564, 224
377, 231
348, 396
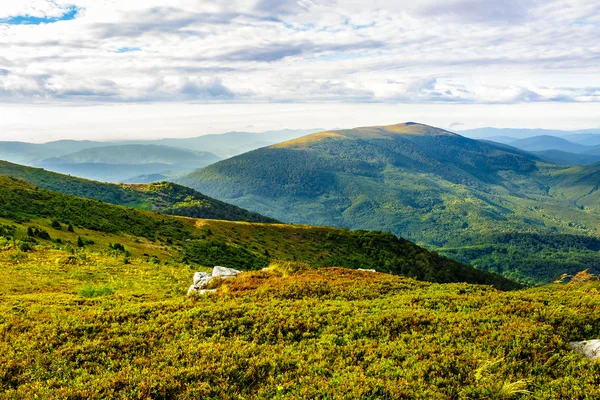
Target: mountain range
141, 161
432, 186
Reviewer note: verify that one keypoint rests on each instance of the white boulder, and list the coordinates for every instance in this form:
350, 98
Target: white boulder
587, 348
201, 279
224, 273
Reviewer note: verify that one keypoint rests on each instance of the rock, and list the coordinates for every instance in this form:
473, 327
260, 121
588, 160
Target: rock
587, 348
224, 273
366, 270
201, 279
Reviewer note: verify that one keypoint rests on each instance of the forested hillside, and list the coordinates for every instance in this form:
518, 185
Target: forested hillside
231, 244
163, 197
431, 186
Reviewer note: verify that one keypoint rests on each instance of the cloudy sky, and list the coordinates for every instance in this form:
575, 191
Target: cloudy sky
113, 68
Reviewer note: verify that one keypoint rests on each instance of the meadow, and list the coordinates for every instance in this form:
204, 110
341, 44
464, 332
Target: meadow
86, 324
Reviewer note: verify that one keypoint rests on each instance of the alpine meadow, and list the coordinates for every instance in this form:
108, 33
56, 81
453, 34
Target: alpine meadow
258, 199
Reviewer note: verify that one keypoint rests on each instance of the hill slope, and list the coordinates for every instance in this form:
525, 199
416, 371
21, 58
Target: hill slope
547, 142
429, 185
328, 333
164, 197
239, 245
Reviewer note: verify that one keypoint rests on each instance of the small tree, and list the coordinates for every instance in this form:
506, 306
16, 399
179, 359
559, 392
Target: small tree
29, 231
80, 242
70, 228
56, 225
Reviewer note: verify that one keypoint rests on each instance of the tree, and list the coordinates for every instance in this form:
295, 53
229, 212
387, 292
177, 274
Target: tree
80, 242
70, 228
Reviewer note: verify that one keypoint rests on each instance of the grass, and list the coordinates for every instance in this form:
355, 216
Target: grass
95, 328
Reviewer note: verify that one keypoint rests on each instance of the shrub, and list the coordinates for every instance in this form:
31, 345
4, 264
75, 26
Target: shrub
92, 292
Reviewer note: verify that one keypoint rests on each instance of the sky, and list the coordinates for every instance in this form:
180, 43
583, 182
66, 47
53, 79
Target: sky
109, 69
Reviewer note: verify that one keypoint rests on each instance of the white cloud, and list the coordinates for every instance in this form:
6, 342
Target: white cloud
304, 51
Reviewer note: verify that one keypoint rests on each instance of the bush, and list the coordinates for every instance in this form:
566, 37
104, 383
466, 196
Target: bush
92, 292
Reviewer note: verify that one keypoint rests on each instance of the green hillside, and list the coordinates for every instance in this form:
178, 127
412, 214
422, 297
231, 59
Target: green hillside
426, 184
162, 197
231, 244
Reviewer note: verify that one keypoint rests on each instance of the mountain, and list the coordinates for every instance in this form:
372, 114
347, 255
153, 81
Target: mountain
231, 244
565, 158
546, 142
147, 178
499, 139
122, 162
429, 185
577, 136
136, 154
28, 153
164, 197
231, 143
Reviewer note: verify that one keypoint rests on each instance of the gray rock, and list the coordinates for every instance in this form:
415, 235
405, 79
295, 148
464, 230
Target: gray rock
587, 348
201, 279
224, 273
366, 270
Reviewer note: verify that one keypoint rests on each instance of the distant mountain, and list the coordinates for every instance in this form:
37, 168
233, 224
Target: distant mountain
136, 154
27, 153
231, 143
500, 139
147, 178
565, 158
588, 137
121, 162
432, 186
164, 197
546, 142
110, 172
577, 136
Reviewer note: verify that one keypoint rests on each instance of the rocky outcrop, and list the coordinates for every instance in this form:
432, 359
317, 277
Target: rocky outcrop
587, 348
203, 279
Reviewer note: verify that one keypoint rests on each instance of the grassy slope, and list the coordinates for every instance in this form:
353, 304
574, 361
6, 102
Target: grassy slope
164, 197
238, 245
94, 328
438, 189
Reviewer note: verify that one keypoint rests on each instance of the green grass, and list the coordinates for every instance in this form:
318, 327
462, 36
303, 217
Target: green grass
289, 332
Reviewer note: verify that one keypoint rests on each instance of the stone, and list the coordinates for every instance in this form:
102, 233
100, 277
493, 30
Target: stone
367, 270
224, 273
201, 279
587, 348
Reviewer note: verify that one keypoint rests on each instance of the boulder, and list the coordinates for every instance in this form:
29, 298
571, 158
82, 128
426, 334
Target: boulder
366, 270
224, 273
587, 348
201, 279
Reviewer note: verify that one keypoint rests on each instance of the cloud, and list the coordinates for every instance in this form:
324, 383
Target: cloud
431, 51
